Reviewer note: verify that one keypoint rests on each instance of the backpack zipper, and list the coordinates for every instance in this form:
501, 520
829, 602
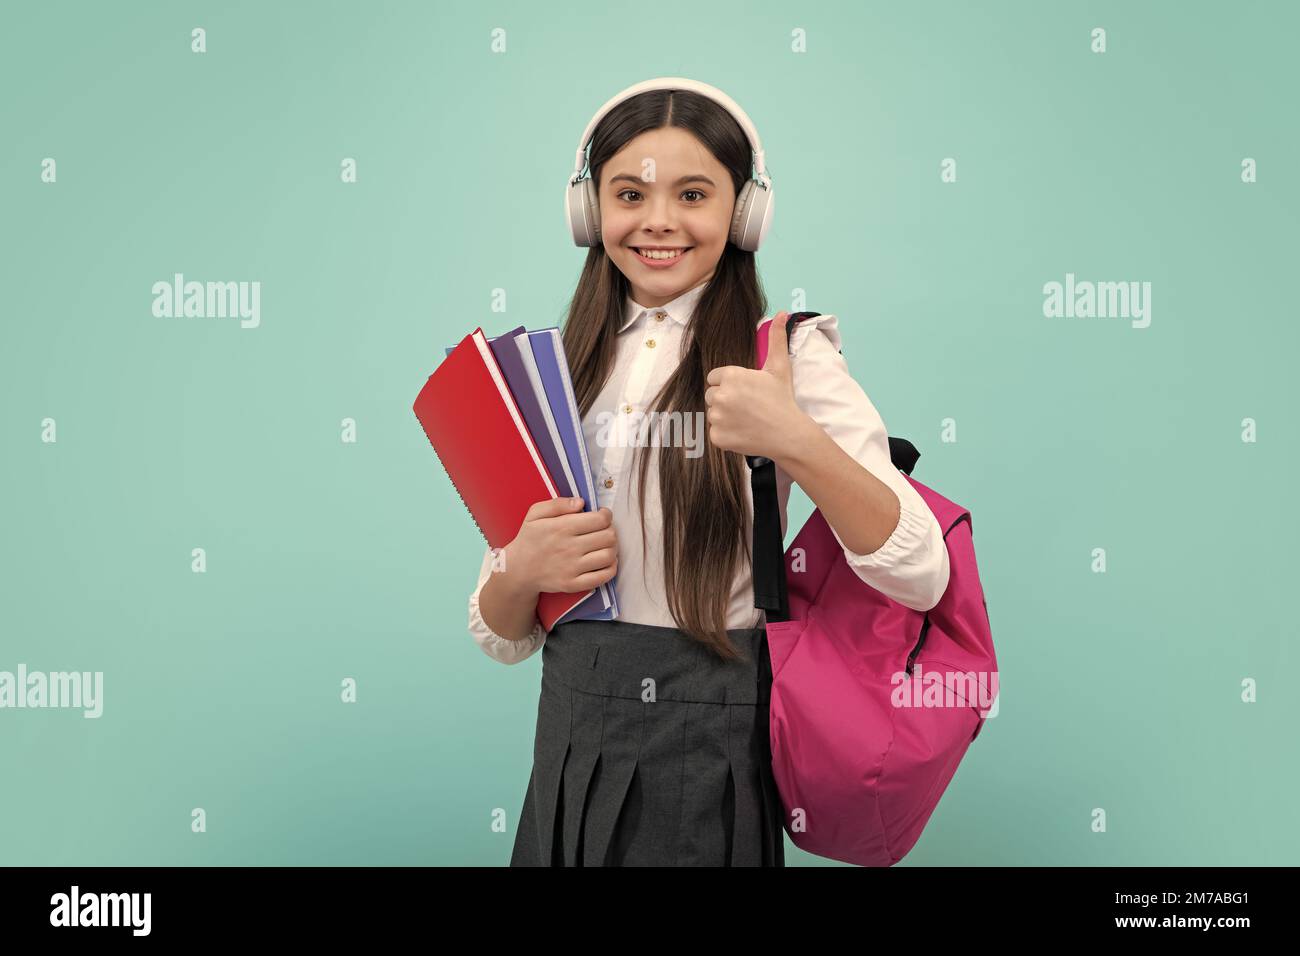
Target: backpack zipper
911, 658
925, 626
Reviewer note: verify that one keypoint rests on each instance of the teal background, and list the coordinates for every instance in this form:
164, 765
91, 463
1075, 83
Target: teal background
329, 560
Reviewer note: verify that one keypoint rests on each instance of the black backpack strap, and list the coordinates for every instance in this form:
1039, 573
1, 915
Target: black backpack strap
770, 593
903, 454
769, 550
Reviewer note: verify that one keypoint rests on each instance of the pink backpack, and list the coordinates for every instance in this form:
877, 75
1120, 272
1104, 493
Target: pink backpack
873, 704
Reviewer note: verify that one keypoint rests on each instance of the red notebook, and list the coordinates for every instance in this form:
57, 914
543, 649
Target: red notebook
475, 427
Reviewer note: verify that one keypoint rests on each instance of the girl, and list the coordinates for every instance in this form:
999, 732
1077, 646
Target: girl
652, 742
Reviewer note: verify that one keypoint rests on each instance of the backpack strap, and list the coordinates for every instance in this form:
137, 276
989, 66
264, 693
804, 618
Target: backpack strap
769, 548
770, 593
903, 454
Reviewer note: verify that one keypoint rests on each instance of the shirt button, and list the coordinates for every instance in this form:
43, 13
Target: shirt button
609, 482
627, 408
649, 343
660, 316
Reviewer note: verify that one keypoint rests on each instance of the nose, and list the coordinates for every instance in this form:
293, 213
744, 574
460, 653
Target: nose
660, 214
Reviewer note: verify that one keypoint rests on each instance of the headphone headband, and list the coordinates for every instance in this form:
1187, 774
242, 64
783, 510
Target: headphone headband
674, 83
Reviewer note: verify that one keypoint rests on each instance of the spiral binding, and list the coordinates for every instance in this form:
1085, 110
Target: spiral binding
459, 493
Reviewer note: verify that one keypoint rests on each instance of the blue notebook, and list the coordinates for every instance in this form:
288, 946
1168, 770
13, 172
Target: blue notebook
537, 372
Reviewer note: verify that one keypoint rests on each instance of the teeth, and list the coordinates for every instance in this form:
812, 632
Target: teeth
660, 253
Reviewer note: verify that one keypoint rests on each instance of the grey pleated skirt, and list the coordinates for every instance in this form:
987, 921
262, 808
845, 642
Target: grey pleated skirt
650, 751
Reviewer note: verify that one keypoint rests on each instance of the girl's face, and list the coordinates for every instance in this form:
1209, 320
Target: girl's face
685, 204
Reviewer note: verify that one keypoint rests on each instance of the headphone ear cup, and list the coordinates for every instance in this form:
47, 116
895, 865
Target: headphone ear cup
752, 216
582, 211
593, 209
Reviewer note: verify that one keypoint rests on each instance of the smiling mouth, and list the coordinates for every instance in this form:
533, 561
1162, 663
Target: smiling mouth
661, 255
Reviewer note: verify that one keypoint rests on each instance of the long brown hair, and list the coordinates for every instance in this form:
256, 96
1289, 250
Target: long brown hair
709, 531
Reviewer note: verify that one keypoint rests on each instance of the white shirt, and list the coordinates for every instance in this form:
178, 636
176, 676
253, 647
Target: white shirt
911, 567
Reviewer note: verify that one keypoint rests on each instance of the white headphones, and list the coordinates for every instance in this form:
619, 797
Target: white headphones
753, 214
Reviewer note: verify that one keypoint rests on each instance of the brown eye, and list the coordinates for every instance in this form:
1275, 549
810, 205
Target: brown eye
620, 195
696, 191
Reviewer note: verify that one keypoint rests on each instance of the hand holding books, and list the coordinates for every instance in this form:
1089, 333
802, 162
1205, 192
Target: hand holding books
562, 548
502, 418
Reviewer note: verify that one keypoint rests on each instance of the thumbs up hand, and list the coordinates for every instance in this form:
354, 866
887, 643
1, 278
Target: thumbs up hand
753, 411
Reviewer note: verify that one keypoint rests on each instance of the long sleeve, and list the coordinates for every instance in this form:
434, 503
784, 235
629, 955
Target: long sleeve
911, 567
493, 644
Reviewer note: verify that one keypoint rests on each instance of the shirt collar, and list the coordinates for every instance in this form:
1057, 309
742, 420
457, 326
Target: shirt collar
679, 309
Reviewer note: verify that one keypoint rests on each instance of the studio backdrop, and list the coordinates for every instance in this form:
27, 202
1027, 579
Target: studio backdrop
1060, 241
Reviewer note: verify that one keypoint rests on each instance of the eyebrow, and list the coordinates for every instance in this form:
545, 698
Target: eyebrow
695, 178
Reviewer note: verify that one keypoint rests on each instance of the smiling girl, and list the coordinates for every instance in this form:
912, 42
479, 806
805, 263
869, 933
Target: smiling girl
652, 745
